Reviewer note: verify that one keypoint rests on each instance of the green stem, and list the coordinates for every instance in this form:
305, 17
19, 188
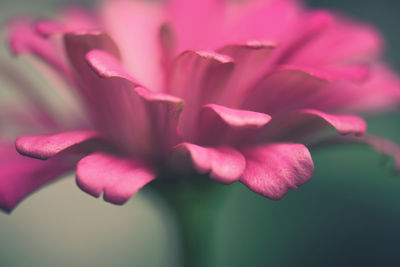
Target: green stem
195, 205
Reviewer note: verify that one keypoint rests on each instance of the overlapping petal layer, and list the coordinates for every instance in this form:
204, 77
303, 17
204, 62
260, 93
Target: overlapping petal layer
231, 89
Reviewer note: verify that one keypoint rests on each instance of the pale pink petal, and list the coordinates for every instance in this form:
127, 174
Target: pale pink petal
196, 23
70, 19
306, 28
20, 176
222, 125
346, 40
47, 146
119, 178
273, 168
23, 38
135, 25
380, 92
224, 164
259, 20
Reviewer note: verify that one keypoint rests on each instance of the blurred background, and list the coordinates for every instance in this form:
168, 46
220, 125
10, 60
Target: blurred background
348, 215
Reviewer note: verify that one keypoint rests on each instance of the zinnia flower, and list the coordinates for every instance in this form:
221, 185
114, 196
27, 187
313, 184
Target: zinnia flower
236, 90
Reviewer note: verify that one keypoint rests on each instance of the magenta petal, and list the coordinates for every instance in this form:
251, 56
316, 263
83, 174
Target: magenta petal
225, 164
20, 176
273, 168
222, 125
205, 73
163, 111
251, 60
107, 66
235, 118
47, 146
119, 178
344, 124
288, 84
160, 110
23, 38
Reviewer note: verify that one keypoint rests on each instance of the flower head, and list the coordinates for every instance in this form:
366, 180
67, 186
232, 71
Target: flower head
234, 89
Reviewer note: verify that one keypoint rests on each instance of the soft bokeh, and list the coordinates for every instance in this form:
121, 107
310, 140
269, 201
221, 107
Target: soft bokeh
347, 215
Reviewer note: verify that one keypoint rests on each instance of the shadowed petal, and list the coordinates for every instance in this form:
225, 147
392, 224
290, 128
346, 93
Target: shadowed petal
47, 146
304, 125
160, 110
273, 168
20, 176
119, 178
251, 61
107, 66
344, 124
225, 164
198, 77
281, 89
222, 125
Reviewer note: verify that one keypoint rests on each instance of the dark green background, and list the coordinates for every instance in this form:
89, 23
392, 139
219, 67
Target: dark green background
348, 215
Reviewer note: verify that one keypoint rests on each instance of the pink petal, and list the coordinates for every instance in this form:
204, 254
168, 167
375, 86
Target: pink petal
107, 66
363, 43
344, 124
20, 176
47, 146
163, 112
119, 178
139, 43
306, 125
273, 168
222, 125
285, 89
158, 113
196, 23
380, 92
259, 19
225, 164
24, 39
205, 73
251, 61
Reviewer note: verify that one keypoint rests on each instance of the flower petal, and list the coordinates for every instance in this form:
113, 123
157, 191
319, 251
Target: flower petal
222, 125
251, 61
225, 164
107, 66
282, 89
205, 73
23, 38
47, 146
20, 176
160, 110
139, 44
119, 178
363, 44
343, 123
196, 22
273, 168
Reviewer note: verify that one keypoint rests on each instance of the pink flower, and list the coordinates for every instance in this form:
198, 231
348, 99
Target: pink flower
233, 89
